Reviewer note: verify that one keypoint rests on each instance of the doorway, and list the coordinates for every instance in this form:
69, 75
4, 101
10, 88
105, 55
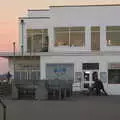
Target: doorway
88, 76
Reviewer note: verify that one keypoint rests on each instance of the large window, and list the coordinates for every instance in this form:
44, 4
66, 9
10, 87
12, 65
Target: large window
114, 76
37, 40
26, 75
113, 35
60, 71
27, 70
69, 36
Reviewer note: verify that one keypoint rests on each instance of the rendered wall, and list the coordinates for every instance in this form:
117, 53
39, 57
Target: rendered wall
38, 13
84, 16
78, 60
42, 23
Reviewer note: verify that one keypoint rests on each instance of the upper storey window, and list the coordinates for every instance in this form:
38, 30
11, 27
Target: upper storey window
95, 38
69, 36
37, 40
113, 35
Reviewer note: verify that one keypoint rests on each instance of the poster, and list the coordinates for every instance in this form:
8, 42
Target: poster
78, 76
103, 77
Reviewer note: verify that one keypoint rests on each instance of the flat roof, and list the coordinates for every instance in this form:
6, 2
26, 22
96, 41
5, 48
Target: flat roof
38, 9
99, 5
74, 6
33, 17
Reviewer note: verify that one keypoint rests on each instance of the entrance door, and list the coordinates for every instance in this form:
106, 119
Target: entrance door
88, 78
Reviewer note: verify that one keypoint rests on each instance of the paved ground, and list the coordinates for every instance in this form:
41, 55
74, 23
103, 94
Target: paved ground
77, 108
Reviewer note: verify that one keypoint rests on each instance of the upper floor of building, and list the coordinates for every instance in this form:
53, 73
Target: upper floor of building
71, 28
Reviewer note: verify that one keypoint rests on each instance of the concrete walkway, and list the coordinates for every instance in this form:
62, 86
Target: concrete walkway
75, 108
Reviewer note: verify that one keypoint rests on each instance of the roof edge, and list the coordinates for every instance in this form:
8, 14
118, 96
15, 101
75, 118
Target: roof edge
38, 9
33, 18
86, 5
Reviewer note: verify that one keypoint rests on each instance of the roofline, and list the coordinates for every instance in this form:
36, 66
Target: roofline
38, 9
98, 5
34, 18
79, 53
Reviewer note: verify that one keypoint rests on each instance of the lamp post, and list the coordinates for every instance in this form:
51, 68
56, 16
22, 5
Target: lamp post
4, 109
14, 58
14, 90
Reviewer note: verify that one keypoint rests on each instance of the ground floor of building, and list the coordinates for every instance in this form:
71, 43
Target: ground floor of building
78, 68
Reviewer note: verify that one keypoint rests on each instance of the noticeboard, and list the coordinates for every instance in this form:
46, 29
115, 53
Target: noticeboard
103, 77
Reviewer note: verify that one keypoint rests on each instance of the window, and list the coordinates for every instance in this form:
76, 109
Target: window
60, 71
62, 36
28, 66
69, 36
114, 76
95, 38
77, 36
113, 35
37, 39
27, 75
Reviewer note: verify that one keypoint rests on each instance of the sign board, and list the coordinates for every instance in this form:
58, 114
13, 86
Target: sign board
78, 76
103, 77
90, 66
114, 66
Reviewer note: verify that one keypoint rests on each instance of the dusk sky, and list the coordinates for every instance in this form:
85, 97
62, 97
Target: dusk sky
10, 10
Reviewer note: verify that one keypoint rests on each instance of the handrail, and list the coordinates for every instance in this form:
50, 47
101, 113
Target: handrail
4, 109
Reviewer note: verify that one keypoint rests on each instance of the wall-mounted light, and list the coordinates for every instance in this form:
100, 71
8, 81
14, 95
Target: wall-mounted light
109, 42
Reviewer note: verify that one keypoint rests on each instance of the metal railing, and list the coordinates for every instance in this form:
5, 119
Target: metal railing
4, 109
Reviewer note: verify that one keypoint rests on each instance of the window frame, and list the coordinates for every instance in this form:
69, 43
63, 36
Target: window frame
70, 31
115, 29
31, 33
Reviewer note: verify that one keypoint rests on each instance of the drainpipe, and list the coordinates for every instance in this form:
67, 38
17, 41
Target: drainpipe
22, 46
4, 109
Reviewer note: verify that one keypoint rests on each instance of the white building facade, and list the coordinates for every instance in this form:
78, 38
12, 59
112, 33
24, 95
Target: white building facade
71, 43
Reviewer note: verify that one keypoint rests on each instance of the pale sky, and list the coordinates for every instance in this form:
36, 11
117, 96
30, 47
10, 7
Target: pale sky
10, 10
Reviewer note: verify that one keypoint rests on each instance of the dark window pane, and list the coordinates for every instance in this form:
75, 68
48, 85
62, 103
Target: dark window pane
114, 76
90, 66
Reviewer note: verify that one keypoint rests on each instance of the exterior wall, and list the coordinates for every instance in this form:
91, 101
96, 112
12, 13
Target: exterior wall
84, 16
38, 13
78, 61
42, 23
22, 61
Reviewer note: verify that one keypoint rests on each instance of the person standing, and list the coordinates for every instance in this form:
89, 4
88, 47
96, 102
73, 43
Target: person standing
97, 86
8, 75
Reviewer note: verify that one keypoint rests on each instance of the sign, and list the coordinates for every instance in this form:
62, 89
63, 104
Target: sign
78, 76
114, 66
103, 77
59, 71
90, 66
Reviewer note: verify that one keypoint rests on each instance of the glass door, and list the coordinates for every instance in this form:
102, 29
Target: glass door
88, 78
